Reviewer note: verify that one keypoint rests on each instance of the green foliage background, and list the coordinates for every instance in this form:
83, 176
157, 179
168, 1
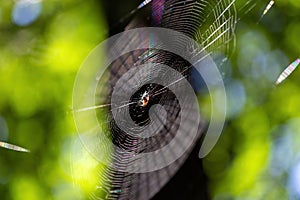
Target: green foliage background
38, 65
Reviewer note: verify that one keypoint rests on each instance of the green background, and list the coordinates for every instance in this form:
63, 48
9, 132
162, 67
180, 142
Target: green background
256, 157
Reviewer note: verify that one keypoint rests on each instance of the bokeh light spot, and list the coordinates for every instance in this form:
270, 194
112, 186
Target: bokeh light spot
294, 182
236, 98
26, 187
26, 12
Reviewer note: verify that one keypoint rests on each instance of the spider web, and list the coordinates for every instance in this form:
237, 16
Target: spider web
212, 24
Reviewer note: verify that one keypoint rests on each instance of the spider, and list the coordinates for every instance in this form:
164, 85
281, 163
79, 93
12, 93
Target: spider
144, 99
